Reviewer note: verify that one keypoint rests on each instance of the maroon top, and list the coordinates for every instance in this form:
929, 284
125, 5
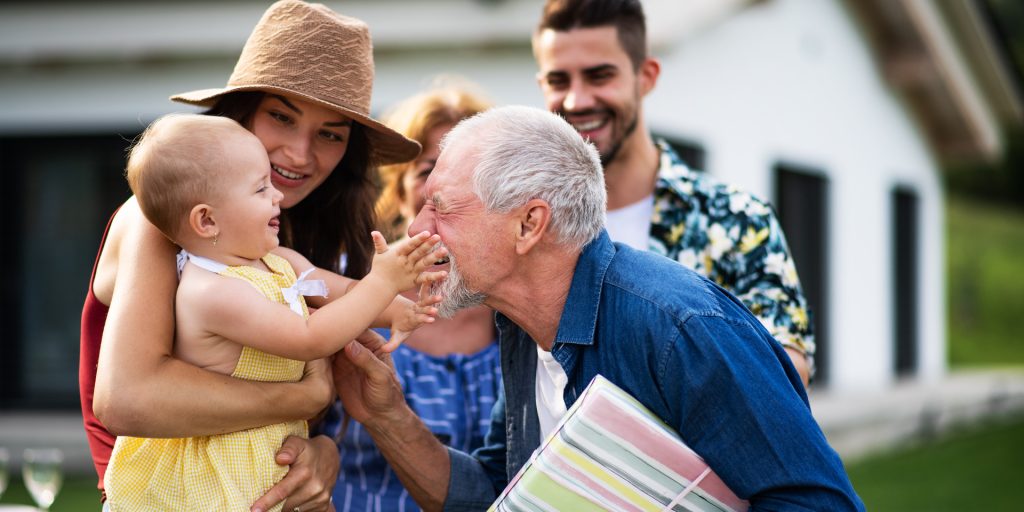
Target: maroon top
94, 316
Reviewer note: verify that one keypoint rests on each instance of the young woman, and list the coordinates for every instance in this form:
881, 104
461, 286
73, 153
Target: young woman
313, 120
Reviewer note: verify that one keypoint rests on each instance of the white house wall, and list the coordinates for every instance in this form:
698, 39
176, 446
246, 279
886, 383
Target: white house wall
793, 81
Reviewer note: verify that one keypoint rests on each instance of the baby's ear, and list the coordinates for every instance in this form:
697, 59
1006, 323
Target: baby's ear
202, 222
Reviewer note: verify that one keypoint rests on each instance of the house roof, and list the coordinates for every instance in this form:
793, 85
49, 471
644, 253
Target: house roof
945, 57
948, 62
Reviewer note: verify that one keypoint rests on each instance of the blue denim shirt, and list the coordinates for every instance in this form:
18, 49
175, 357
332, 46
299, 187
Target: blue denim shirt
689, 351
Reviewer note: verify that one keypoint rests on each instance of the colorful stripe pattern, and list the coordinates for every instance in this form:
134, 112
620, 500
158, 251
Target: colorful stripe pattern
610, 453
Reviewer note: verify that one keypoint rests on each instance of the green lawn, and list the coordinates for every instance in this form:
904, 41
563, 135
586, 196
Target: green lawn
975, 470
978, 469
985, 251
78, 494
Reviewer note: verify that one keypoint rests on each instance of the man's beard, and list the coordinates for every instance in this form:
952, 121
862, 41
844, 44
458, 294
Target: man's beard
613, 151
616, 145
454, 292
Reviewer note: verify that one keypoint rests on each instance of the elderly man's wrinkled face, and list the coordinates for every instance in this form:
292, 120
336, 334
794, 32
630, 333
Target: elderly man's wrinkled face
472, 235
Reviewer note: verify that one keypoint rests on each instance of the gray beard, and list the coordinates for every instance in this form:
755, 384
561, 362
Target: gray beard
456, 295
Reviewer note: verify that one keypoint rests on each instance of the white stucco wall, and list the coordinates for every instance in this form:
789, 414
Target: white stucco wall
794, 81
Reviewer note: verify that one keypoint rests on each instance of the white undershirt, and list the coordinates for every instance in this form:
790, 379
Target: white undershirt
551, 381
631, 224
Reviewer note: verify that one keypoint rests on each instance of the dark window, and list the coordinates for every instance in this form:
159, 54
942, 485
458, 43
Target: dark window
692, 153
802, 204
60, 191
905, 257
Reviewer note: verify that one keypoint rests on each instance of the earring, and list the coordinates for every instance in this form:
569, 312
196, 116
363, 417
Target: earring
215, 239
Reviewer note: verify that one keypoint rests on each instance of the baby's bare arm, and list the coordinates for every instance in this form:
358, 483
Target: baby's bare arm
398, 311
247, 317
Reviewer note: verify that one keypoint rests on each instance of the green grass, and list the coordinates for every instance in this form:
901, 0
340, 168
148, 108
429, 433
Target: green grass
78, 494
975, 470
985, 272
978, 469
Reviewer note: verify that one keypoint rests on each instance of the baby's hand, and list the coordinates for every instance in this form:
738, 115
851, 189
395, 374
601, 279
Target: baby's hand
416, 314
402, 264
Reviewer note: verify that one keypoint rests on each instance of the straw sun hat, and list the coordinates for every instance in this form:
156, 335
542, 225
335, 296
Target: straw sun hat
309, 51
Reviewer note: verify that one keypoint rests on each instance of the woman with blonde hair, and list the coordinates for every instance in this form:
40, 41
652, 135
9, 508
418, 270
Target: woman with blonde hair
424, 118
449, 369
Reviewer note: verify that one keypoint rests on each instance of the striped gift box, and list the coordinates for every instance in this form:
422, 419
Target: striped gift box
610, 453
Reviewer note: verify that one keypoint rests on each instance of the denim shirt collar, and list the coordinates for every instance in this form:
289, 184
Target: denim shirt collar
576, 330
579, 315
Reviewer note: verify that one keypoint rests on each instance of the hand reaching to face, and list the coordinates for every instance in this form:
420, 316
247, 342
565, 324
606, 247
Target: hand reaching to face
416, 314
404, 264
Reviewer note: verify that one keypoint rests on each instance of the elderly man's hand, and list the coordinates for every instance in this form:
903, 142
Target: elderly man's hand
365, 379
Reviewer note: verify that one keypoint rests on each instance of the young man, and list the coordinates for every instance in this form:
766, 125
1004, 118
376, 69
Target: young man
595, 72
518, 199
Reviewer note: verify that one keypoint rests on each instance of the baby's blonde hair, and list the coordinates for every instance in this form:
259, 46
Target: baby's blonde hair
175, 164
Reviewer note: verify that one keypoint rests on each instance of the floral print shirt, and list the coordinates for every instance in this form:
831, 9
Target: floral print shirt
735, 240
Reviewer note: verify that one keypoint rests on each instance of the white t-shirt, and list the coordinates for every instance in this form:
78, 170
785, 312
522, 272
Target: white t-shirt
631, 224
551, 382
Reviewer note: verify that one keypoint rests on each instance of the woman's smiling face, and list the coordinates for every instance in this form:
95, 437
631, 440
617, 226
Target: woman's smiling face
304, 141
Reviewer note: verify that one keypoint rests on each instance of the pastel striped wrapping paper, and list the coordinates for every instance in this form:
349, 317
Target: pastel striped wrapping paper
610, 453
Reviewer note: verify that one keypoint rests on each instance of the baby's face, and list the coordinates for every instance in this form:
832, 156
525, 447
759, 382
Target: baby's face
248, 209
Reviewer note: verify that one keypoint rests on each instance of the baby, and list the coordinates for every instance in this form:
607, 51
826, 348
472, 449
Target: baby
204, 181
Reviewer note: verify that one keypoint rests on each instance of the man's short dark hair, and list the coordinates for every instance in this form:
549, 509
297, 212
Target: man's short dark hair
627, 16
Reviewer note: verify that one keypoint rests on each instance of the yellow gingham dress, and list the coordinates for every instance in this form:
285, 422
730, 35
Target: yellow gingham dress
223, 472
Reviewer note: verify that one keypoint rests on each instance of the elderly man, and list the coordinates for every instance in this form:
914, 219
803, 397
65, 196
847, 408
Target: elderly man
518, 198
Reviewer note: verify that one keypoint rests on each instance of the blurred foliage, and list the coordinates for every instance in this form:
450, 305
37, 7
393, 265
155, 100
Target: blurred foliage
985, 279
1008, 16
974, 470
1001, 182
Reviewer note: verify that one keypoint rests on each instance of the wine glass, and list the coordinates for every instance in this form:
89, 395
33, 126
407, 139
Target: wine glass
5, 458
42, 473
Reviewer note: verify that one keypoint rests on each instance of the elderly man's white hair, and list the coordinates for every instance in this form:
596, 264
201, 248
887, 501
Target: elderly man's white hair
527, 153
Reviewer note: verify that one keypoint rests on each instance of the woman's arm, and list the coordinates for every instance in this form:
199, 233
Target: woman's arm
141, 390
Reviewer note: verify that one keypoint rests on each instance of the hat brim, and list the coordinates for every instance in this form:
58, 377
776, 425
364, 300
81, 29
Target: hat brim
386, 145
